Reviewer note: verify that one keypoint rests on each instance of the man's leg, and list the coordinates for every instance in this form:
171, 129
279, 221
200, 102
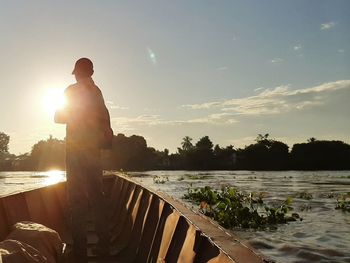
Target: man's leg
77, 197
98, 200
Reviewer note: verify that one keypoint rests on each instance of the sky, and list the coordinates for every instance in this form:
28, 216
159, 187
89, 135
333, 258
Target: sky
168, 69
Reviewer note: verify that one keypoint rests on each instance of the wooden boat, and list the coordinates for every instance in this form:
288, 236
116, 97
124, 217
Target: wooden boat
145, 226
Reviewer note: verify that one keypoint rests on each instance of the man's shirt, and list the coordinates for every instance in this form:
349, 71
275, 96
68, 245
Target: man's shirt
85, 114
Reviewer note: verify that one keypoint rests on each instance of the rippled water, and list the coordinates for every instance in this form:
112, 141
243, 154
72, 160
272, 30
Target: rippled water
322, 236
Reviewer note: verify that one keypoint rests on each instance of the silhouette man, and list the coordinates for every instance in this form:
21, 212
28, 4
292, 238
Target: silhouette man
87, 131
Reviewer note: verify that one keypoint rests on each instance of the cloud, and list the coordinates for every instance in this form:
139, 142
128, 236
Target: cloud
216, 118
116, 107
341, 50
206, 105
142, 119
110, 104
292, 114
258, 89
277, 100
297, 47
281, 111
276, 60
131, 123
327, 26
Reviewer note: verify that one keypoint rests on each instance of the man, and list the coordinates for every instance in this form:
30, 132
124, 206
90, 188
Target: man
88, 130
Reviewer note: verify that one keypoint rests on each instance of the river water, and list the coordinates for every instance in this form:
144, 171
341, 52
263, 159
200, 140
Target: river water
322, 236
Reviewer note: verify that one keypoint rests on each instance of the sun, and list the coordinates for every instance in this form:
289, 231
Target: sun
53, 100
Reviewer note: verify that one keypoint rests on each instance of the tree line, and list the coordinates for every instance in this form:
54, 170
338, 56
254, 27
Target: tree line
132, 153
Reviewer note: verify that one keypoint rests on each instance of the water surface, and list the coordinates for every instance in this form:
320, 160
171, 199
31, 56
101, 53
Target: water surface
15, 182
322, 236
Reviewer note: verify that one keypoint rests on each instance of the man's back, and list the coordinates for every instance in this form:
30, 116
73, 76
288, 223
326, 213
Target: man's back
85, 114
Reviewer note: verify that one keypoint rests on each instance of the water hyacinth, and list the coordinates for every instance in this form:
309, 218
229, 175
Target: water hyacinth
343, 202
232, 208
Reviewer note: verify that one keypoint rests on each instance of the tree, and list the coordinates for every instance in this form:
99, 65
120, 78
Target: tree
48, 154
202, 156
225, 158
321, 155
265, 154
261, 138
4, 142
5, 157
205, 143
186, 143
130, 153
312, 139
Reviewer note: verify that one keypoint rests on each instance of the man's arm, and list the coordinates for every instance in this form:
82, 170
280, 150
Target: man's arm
104, 123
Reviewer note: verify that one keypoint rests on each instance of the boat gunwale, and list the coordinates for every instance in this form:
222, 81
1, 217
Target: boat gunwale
213, 224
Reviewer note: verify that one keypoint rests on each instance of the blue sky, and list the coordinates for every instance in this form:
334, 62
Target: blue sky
227, 69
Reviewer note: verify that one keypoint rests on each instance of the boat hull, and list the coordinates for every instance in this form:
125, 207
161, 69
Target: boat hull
145, 226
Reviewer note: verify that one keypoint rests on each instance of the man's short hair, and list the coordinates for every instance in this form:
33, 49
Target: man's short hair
83, 66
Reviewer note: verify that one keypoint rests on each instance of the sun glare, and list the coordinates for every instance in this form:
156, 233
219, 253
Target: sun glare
53, 177
53, 100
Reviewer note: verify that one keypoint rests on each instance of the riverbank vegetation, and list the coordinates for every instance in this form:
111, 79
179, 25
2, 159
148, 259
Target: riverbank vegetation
132, 153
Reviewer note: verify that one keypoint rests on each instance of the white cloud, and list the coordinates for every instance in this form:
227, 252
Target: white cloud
277, 100
291, 115
216, 118
206, 105
327, 26
276, 60
110, 104
297, 47
341, 50
123, 124
131, 123
258, 89
116, 107
142, 119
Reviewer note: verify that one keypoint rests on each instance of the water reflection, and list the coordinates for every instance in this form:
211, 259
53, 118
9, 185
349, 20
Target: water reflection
16, 182
53, 177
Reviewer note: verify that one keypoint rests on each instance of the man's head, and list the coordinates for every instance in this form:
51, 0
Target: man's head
83, 68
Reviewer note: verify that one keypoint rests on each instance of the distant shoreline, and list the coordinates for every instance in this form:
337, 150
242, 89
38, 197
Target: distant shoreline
131, 153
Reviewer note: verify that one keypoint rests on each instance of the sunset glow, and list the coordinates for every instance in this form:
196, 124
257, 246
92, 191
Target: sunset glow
53, 100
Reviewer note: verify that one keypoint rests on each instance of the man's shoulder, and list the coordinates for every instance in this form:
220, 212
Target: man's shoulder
97, 90
92, 87
70, 88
